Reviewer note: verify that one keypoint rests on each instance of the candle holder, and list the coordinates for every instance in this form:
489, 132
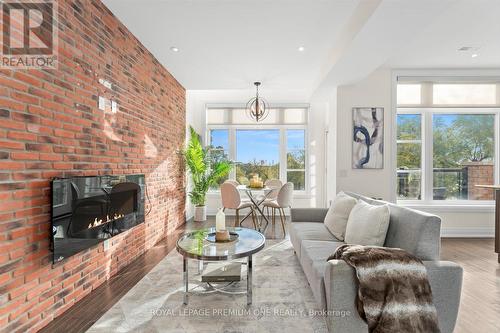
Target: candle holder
212, 237
222, 236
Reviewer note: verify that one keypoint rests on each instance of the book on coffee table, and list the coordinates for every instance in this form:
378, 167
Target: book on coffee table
222, 272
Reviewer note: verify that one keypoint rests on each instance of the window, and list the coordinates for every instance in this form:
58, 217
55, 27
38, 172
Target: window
445, 150
464, 94
273, 149
409, 94
219, 141
409, 156
296, 158
463, 152
257, 153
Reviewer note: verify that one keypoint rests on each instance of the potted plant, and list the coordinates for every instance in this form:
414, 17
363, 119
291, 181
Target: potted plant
206, 169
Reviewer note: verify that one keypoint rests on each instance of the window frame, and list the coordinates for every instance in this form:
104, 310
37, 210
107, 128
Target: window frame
427, 143
285, 142
438, 76
422, 150
282, 151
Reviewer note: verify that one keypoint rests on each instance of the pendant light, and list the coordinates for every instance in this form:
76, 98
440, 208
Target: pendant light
257, 108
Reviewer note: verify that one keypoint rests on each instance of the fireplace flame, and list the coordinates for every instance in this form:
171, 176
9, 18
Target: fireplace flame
98, 222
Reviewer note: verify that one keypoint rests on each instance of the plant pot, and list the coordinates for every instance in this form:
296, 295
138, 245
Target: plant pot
200, 213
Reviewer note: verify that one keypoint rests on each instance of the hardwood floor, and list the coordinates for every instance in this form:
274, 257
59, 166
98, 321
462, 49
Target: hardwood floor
479, 309
87, 311
480, 302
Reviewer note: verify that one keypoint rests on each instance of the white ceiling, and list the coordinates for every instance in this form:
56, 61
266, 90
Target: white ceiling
473, 23
228, 44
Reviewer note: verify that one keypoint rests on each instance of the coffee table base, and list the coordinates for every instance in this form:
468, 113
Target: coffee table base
211, 288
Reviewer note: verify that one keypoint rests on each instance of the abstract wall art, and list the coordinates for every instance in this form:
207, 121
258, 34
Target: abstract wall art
368, 138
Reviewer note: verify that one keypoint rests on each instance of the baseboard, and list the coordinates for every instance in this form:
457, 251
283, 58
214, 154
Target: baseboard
480, 232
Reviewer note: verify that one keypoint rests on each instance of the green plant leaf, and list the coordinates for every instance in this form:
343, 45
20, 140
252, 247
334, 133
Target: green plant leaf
205, 169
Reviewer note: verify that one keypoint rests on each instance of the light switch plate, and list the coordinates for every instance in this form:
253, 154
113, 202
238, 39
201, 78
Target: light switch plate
102, 103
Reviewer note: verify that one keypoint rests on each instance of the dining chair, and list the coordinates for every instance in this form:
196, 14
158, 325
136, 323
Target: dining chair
235, 183
283, 200
230, 181
274, 185
231, 199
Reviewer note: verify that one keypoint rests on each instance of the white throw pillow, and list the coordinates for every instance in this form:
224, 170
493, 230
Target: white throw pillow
367, 224
338, 213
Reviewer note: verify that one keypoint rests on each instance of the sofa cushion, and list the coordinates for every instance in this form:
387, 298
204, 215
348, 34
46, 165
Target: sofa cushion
411, 230
367, 224
313, 260
336, 218
300, 231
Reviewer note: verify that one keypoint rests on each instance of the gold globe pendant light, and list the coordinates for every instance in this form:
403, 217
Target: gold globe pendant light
257, 108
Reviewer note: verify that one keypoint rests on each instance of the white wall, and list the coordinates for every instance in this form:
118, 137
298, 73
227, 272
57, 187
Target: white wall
330, 156
196, 101
376, 90
324, 109
373, 91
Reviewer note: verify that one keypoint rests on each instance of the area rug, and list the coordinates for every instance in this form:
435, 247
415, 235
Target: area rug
282, 300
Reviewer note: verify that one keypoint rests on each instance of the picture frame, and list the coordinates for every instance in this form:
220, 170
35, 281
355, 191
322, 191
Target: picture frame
368, 138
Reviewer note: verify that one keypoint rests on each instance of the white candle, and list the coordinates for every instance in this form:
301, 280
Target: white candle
220, 220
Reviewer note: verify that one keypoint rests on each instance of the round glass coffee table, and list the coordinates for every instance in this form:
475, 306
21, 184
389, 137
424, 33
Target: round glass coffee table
195, 245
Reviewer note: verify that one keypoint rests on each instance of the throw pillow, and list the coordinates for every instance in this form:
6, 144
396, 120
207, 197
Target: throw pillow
367, 224
338, 213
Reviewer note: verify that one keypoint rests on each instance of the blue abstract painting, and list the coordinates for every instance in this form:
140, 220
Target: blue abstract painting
368, 138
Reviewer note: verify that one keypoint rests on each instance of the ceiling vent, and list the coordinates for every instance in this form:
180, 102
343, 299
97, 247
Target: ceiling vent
468, 48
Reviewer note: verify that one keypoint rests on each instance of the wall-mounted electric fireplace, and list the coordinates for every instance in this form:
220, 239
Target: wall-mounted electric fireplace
89, 210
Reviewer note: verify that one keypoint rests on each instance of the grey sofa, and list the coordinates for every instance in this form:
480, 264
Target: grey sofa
333, 283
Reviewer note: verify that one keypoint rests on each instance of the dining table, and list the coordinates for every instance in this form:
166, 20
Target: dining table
257, 196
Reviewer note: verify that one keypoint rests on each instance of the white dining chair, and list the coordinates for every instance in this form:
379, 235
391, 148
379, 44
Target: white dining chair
274, 185
283, 200
235, 183
230, 181
231, 199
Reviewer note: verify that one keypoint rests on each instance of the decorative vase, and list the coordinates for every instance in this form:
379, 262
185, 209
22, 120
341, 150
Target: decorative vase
200, 213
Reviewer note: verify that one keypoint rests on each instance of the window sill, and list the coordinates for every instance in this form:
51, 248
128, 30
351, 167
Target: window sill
479, 207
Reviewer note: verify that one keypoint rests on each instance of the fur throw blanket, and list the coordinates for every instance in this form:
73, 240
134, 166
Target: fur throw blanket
394, 294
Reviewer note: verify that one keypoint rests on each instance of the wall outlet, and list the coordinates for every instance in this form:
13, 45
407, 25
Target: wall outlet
107, 244
102, 103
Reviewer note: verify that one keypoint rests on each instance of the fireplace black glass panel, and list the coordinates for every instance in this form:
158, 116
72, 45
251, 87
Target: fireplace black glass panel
89, 210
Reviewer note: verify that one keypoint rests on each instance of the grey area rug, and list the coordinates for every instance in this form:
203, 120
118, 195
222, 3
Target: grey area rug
282, 300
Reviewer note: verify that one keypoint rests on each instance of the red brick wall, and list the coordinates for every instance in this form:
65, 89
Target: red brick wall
50, 126
479, 173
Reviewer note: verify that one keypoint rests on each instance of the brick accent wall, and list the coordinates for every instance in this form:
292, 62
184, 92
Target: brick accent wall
50, 126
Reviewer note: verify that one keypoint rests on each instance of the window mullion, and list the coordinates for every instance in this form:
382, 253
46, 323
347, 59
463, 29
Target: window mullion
283, 152
426, 91
232, 151
428, 157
